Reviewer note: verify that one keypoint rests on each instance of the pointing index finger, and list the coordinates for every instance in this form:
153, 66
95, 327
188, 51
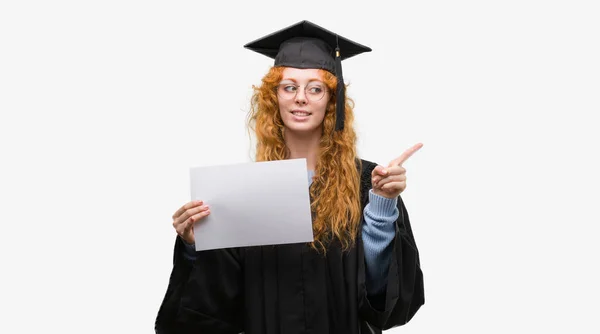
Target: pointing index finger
407, 154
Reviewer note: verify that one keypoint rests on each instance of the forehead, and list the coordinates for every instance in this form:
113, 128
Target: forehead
301, 74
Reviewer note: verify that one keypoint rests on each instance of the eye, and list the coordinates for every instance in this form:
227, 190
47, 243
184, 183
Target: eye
290, 88
315, 89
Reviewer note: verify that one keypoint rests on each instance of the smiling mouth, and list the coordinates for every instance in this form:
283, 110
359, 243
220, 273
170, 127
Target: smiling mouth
300, 113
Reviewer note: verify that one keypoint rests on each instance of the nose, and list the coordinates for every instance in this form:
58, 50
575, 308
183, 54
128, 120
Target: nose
301, 97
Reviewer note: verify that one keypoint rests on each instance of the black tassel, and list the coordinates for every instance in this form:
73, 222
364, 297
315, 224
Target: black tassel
340, 92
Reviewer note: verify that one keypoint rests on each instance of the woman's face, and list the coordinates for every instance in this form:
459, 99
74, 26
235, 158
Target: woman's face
302, 98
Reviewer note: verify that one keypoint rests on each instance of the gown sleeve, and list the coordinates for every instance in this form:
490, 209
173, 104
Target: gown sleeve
204, 295
404, 293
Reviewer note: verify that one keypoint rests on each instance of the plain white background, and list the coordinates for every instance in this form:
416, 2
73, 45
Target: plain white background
105, 105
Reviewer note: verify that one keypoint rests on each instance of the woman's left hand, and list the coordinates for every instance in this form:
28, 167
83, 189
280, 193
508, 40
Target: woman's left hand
391, 181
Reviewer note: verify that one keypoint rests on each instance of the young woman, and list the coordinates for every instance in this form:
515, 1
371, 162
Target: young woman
362, 273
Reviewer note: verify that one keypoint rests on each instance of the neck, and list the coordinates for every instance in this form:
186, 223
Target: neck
303, 146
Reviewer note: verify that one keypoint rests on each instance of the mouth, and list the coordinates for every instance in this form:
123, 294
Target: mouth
300, 113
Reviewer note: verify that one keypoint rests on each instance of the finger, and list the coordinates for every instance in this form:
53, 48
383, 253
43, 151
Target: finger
394, 186
407, 154
195, 218
377, 178
379, 170
396, 170
391, 171
391, 178
189, 213
184, 208
184, 227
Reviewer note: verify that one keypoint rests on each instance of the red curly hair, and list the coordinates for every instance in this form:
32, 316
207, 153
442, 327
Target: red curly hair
335, 192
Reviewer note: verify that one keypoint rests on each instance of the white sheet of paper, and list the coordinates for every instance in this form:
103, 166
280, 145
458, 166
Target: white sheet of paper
251, 204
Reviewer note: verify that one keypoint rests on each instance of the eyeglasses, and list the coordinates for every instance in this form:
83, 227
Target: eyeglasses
313, 91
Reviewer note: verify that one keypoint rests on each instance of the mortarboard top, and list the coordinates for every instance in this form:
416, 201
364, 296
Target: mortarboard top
307, 45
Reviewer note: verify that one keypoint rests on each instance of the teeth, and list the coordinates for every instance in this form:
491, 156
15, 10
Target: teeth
300, 113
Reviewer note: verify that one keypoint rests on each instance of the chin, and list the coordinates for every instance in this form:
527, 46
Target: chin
301, 128
309, 126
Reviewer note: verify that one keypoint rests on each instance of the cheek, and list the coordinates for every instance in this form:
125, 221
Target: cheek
282, 108
285, 105
322, 109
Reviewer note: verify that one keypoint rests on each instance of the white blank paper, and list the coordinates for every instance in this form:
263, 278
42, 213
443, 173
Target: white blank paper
251, 204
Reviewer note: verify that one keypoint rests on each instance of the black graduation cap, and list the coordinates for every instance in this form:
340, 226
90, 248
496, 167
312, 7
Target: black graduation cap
307, 45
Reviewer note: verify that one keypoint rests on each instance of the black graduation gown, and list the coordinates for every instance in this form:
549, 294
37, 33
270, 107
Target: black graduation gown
289, 289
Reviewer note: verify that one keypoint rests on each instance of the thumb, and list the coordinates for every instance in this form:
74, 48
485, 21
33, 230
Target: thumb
379, 170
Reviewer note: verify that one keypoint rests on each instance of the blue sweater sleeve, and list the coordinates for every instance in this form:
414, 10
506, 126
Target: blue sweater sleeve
378, 232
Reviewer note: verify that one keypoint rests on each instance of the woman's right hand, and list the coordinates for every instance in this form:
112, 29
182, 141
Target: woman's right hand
186, 216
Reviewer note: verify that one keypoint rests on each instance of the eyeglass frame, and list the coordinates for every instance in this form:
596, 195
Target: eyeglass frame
321, 85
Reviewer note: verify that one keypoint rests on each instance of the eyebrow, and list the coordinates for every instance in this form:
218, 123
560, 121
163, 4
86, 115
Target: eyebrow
309, 80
